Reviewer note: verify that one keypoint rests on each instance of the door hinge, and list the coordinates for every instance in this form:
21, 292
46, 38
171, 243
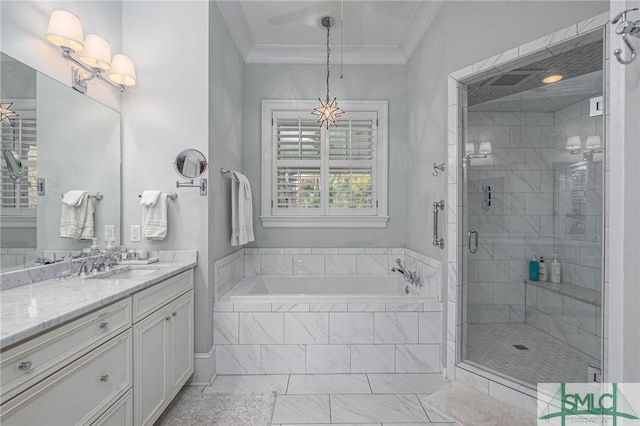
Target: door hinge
376, 204
272, 122
271, 203
376, 122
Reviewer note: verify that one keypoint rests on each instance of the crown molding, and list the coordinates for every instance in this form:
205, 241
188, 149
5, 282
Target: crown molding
236, 21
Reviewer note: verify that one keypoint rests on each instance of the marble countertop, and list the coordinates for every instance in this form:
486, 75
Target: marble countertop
33, 308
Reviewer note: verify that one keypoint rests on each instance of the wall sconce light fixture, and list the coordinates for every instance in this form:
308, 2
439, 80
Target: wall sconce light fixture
592, 146
65, 31
483, 150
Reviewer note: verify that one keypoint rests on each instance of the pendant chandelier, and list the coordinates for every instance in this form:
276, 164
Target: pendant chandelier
6, 113
328, 111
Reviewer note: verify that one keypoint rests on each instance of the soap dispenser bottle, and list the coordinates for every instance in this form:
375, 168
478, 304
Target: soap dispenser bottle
555, 269
534, 269
544, 273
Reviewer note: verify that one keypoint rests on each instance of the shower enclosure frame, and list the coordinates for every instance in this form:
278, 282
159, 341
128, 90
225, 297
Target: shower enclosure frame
512, 390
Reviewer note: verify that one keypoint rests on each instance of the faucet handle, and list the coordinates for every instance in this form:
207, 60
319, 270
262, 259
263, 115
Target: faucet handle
399, 262
623, 15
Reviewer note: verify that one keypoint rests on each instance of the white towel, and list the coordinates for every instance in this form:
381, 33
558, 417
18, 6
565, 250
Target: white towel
241, 210
73, 197
76, 221
150, 198
154, 219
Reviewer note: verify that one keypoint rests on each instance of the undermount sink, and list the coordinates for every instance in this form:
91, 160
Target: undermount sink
128, 272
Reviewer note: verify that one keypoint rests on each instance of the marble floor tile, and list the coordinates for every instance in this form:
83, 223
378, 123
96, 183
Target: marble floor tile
346, 424
328, 384
406, 383
376, 408
302, 409
249, 383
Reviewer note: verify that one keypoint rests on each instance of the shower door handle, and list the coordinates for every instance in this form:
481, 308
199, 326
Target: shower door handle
471, 233
437, 241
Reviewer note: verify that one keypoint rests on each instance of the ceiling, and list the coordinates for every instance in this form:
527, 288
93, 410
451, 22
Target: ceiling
288, 32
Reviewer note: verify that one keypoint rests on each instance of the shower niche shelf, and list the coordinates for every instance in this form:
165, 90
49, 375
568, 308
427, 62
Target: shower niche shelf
573, 291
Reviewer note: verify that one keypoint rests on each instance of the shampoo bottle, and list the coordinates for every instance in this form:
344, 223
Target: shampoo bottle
543, 275
555, 269
534, 269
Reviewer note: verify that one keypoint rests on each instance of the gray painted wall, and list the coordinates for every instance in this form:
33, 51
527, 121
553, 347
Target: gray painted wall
308, 82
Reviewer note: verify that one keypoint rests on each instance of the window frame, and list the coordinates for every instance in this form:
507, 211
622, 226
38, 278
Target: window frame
347, 219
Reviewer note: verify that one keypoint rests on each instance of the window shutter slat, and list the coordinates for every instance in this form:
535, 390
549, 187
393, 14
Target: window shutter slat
20, 138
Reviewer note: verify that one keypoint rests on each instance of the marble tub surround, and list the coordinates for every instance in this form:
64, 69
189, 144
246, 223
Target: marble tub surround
248, 262
35, 274
327, 337
37, 306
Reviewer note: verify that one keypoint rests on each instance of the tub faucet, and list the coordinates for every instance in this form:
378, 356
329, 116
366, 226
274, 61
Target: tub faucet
411, 277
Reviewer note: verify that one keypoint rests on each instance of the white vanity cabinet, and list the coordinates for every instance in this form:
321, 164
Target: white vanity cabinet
162, 345
119, 365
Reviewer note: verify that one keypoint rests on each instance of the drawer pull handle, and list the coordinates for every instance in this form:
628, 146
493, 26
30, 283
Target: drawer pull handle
104, 325
104, 378
25, 366
167, 318
174, 314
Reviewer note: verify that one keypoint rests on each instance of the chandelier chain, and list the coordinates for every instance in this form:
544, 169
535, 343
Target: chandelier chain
328, 53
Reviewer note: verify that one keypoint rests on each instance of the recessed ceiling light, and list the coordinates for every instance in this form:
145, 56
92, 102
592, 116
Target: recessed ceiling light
552, 78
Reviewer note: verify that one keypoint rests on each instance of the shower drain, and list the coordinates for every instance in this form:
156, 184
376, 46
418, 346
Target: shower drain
521, 347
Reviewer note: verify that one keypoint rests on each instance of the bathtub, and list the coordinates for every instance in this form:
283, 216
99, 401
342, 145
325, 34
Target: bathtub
298, 289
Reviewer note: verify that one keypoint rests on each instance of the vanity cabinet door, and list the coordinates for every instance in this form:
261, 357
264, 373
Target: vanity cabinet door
151, 366
182, 332
119, 414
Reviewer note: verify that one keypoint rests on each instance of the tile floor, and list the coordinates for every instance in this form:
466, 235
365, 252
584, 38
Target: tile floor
345, 399
547, 360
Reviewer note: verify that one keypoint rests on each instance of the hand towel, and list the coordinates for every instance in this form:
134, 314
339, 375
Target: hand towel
150, 198
74, 197
241, 210
76, 221
155, 220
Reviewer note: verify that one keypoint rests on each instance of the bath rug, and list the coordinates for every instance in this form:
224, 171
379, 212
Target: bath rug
469, 407
191, 408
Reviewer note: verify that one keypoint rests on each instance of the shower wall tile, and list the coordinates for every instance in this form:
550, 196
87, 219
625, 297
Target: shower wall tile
509, 118
493, 313
252, 265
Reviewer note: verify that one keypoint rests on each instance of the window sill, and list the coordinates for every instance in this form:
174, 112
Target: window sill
324, 222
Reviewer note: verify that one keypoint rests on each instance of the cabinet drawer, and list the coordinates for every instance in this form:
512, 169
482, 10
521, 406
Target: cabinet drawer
78, 393
119, 414
25, 364
160, 294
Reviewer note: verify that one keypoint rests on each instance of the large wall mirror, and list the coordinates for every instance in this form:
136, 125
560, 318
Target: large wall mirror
65, 141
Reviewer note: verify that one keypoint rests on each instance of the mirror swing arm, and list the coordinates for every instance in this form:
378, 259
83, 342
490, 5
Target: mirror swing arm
190, 184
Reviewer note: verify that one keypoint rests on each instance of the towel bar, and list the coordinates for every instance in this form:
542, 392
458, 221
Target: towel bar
97, 196
227, 173
171, 196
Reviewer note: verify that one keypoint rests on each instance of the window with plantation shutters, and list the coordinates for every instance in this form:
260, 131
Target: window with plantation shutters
318, 177
18, 201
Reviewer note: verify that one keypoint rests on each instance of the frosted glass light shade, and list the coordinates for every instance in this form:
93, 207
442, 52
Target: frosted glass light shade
485, 148
96, 53
65, 30
122, 70
573, 142
593, 142
469, 148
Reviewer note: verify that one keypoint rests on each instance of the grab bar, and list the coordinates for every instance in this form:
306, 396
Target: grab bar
437, 241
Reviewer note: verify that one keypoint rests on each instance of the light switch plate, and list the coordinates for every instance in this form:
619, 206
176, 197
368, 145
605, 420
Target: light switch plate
109, 233
134, 234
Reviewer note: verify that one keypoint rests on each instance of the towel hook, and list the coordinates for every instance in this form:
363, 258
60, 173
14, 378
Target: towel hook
437, 167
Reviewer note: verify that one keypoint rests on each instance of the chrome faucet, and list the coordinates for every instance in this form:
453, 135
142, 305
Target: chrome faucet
411, 277
83, 269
